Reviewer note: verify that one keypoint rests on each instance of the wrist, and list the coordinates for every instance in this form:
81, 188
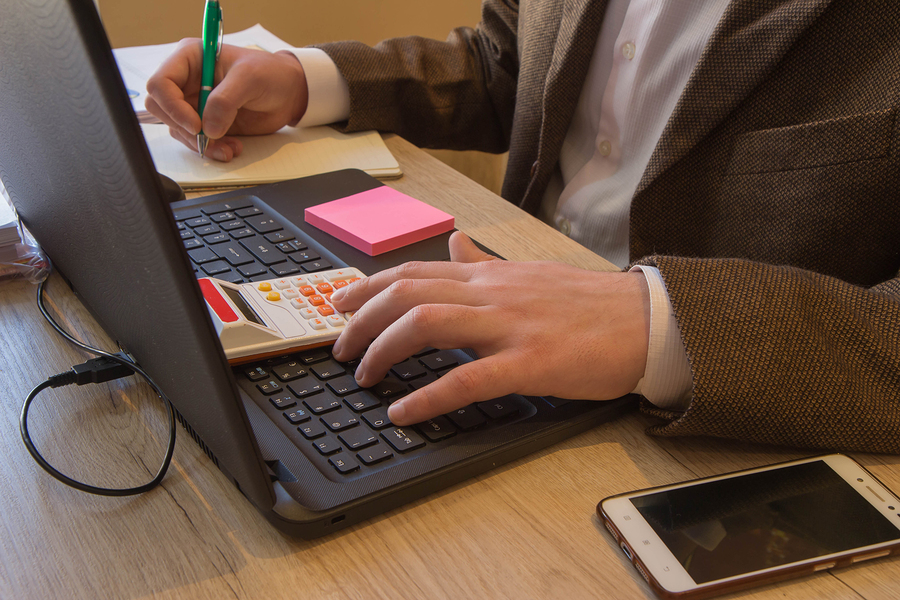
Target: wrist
300, 85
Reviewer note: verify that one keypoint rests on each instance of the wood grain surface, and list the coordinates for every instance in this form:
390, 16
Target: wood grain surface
524, 530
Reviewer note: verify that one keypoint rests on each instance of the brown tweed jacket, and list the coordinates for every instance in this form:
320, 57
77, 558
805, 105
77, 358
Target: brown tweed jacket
771, 204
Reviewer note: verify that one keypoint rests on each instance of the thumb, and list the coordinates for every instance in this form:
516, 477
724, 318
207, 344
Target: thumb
463, 249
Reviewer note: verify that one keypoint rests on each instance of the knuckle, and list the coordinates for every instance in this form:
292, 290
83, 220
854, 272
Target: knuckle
466, 381
401, 289
424, 316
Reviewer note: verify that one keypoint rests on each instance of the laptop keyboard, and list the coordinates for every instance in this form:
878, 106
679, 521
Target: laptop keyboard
343, 429
238, 242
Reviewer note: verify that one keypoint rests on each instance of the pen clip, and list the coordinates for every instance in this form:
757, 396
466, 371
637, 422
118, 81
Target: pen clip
221, 33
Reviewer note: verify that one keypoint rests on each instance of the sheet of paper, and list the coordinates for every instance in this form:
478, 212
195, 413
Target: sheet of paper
137, 64
286, 154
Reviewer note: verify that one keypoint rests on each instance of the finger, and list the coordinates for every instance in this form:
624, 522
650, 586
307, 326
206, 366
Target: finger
477, 381
359, 292
167, 86
463, 249
235, 91
438, 325
223, 150
392, 305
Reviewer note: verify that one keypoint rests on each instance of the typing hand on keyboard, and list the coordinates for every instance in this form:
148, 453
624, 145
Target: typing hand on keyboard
542, 329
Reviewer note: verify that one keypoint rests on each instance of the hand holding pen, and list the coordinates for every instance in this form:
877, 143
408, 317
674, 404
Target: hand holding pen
255, 93
212, 46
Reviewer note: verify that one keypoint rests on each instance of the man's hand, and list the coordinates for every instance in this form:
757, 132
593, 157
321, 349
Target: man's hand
538, 328
256, 93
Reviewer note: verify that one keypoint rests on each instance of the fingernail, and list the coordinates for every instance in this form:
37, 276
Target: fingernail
219, 153
336, 349
360, 373
397, 411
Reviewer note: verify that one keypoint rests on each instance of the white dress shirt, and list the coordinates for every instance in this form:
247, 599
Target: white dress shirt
641, 64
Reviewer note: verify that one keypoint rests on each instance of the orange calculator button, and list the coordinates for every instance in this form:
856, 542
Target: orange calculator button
352, 279
325, 310
324, 288
339, 284
307, 290
316, 300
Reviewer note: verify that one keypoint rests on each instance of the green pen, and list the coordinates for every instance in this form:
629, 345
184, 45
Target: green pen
212, 45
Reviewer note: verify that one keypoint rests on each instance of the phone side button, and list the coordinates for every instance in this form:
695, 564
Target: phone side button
825, 566
863, 557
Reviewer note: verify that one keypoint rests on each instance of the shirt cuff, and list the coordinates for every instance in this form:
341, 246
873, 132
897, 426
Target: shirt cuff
667, 380
329, 95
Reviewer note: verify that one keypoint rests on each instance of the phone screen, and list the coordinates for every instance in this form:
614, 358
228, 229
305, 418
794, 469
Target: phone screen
728, 527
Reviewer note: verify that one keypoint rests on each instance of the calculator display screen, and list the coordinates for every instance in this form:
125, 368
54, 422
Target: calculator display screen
242, 305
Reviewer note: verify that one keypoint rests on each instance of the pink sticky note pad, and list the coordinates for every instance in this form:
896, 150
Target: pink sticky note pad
379, 220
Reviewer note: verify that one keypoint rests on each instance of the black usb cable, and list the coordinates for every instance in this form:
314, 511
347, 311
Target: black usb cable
107, 367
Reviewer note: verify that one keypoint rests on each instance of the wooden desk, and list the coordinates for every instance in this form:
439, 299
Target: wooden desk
524, 530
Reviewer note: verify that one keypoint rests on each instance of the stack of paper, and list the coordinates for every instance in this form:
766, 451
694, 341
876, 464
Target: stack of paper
9, 232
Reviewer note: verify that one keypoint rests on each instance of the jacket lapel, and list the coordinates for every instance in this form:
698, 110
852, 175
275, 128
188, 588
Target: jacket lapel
748, 42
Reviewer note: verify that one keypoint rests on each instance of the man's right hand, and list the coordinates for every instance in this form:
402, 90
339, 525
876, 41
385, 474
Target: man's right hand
256, 92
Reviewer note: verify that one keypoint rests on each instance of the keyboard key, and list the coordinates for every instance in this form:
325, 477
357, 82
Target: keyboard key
263, 224
409, 369
202, 255
283, 269
283, 402
248, 212
188, 213
232, 225
437, 429
340, 420
439, 360
327, 445
216, 267
264, 252
362, 401
403, 439
377, 418
297, 416
195, 243
240, 234
374, 454
187, 234
343, 385
206, 230
256, 373
343, 463
297, 245
302, 256
269, 387
234, 254
312, 430
314, 356
313, 267
217, 238
389, 387
327, 369
253, 270
467, 418
499, 408
222, 217
358, 437
229, 206
230, 277
321, 403
278, 237
289, 371
197, 222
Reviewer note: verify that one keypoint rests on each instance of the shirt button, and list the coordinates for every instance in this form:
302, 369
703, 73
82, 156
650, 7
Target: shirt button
628, 50
605, 148
564, 226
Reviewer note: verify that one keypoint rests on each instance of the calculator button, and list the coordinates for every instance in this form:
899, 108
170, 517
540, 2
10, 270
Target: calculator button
316, 300
265, 286
339, 284
307, 290
316, 279
306, 312
273, 296
317, 323
340, 274
335, 321
282, 284
324, 288
291, 294
325, 311
299, 305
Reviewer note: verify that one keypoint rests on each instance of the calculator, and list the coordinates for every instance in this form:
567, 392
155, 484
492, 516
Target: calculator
267, 318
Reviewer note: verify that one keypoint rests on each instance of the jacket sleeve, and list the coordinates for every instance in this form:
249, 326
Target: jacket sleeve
455, 94
781, 355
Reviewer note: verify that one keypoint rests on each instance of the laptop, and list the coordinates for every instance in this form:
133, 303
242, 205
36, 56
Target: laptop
306, 448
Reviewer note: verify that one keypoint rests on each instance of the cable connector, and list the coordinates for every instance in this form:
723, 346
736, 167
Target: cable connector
100, 370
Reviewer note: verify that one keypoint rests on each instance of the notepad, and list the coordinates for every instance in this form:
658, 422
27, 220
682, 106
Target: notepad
379, 220
286, 154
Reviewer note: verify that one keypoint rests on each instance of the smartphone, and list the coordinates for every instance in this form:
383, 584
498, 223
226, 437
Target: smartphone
720, 534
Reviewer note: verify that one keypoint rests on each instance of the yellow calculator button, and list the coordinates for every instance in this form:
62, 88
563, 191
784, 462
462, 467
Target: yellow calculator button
265, 287
273, 297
